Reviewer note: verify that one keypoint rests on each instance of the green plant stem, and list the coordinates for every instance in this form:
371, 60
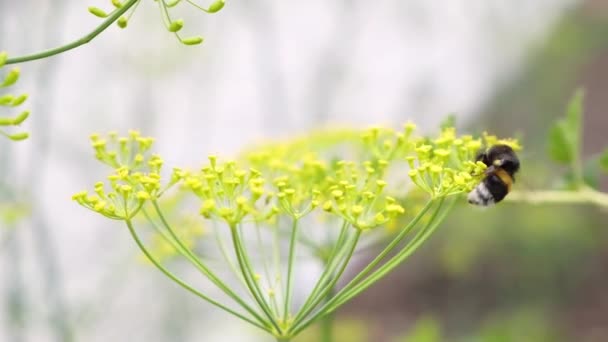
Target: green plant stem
326, 272
352, 288
327, 323
183, 284
247, 272
292, 253
437, 217
84, 40
224, 251
184, 250
583, 196
324, 291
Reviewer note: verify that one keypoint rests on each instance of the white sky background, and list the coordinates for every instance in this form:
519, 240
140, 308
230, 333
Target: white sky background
267, 69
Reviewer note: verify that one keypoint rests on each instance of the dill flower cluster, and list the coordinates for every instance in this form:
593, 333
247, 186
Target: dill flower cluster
123, 11
321, 196
12, 101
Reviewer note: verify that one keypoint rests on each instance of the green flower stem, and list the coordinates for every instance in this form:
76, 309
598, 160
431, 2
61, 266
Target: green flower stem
290, 262
182, 283
184, 250
329, 288
84, 40
276, 260
196, 5
389, 248
247, 272
253, 276
584, 196
323, 310
327, 323
326, 272
437, 217
260, 247
333, 263
224, 252
160, 231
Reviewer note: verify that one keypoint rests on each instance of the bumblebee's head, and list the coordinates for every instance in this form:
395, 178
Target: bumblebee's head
502, 156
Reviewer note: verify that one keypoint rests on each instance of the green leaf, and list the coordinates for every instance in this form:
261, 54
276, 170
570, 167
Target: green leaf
560, 150
564, 135
604, 161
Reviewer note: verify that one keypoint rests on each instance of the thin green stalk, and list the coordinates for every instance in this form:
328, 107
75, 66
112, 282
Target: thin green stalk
184, 250
249, 267
249, 279
184, 284
260, 246
290, 262
354, 282
329, 288
327, 323
388, 249
328, 262
84, 40
437, 217
276, 257
162, 233
333, 264
274, 305
224, 252
583, 196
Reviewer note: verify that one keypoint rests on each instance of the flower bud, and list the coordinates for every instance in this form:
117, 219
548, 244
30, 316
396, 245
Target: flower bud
21, 117
19, 136
192, 40
98, 12
11, 78
176, 25
3, 58
216, 6
122, 22
18, 100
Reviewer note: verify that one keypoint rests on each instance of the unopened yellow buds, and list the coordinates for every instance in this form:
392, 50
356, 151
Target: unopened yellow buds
10, 78
98, 12
122, 22
176, 25
192, 40
216, 6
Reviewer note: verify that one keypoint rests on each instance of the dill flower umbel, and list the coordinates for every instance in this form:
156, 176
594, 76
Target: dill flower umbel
322, 195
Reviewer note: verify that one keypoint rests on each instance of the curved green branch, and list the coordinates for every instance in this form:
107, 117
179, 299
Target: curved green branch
584, 196
84, 40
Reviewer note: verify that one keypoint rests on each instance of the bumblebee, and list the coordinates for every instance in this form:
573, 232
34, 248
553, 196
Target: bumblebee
502, 163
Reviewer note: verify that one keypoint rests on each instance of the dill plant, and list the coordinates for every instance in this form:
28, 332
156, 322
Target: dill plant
326, 196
